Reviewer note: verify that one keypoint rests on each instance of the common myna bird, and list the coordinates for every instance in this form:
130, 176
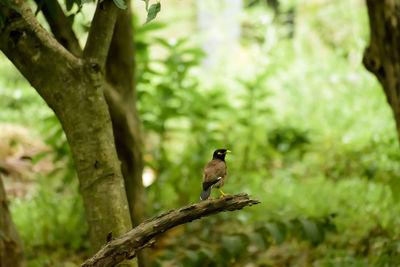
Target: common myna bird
214, 173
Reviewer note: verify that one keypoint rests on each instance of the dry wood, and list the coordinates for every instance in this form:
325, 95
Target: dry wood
126, 246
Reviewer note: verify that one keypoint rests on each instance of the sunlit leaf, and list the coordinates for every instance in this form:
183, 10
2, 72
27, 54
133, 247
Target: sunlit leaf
163, 42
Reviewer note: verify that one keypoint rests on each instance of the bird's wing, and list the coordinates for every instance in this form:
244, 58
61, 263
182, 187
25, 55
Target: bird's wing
206, 185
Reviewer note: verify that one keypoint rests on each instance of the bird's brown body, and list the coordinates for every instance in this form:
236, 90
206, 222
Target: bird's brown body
214, 169
214, 174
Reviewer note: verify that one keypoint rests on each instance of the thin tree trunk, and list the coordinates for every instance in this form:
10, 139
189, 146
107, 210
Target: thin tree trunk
120, 96
11, 250
120, 73
382, 56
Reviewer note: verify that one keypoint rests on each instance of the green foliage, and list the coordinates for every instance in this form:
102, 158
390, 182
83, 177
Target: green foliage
299, 139
311, 133
229, 242
287, 139
51, 218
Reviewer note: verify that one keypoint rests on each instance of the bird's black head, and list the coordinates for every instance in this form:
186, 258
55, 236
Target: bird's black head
220, 154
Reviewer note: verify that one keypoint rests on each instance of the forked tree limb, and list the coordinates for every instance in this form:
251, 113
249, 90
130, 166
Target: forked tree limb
101, 32
60, 26
126, 246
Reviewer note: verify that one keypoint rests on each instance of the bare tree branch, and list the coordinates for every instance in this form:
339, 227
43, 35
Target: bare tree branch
101, 32
126, 246
61, 27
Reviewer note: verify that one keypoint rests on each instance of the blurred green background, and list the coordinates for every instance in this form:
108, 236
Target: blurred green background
312, 137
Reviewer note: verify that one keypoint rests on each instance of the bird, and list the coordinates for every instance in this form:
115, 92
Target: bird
214, 173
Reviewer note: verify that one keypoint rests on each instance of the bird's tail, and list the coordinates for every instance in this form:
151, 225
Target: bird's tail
205, 194
207, 188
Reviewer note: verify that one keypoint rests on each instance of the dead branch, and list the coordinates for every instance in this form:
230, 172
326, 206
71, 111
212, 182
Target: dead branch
126, 246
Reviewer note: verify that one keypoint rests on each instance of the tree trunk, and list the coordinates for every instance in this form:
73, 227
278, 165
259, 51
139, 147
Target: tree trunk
120, 96
382, 56
11, 250
74, 89
120, 73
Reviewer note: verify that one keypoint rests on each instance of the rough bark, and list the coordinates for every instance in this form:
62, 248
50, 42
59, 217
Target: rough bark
61, 27
11, 250
143, 235
120, 73
122, 100
101, 32
382, 56
73, 88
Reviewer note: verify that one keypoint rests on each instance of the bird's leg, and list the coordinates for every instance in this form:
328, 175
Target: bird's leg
222, 193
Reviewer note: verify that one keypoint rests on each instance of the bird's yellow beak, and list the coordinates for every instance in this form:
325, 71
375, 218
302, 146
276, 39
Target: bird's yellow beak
228, 151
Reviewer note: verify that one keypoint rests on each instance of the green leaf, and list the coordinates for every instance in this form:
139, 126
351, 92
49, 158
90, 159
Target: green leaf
275, 232
198, 52
35, 159
150, 27
311, 230
120, 4
235, 244
85, 1
153, 11
163, 42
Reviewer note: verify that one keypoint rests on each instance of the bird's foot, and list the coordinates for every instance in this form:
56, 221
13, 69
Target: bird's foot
222, 193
